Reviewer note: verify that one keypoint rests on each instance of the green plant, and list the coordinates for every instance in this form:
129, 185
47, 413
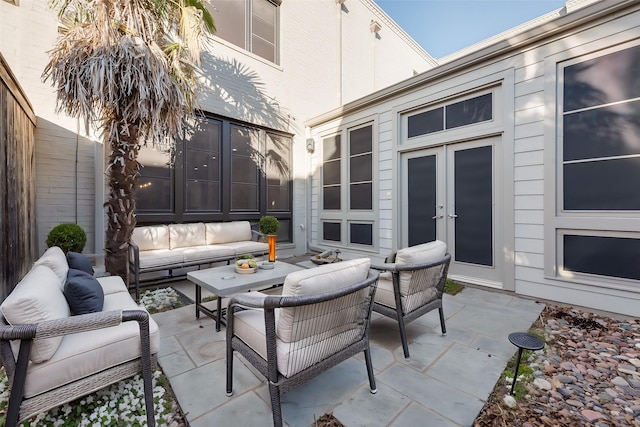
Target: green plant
68, 237
451, 287
269, 225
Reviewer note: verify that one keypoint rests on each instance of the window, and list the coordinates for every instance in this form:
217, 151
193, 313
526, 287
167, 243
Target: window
351, 181
249, 24
224, 171
598, 158
470, 111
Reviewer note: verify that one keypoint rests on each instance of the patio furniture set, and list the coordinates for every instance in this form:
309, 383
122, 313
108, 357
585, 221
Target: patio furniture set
321, 318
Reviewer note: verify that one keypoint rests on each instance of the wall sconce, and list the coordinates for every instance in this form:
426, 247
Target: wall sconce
311, 145
375, 26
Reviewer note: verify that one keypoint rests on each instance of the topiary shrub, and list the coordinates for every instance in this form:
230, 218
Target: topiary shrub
68, 237
269, 225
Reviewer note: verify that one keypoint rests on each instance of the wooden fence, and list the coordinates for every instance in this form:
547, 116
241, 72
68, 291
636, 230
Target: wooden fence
18, 239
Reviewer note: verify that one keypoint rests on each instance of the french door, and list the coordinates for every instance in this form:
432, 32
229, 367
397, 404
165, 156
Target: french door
449, 193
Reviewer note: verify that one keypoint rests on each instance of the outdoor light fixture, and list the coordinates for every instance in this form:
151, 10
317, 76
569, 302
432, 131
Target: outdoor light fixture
375, 26
311, 145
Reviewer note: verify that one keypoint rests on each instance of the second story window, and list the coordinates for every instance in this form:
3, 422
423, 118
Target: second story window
249, 24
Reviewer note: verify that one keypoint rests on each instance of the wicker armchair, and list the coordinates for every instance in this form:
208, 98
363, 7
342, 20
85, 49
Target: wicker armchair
321, 319
412, 285
20, 371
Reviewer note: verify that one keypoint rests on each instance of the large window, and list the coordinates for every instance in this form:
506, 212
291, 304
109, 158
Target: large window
249, 24
348, 188
224, 171
599, 166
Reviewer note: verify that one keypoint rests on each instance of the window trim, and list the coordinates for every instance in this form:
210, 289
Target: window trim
345, 215
557, 221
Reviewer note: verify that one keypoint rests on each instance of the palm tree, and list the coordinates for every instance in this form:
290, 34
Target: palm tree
127, 67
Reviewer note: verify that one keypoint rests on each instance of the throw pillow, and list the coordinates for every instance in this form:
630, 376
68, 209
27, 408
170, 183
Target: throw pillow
83, 292
79, 262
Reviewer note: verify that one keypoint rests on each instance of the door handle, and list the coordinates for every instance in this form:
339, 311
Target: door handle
437, 216
453, 216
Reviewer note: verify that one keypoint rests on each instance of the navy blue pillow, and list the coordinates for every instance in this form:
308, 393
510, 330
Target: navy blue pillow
79, 262
83, 292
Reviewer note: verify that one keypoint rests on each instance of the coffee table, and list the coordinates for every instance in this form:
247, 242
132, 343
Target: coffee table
225, 281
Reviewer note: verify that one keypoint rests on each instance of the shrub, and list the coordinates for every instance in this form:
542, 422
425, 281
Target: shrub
269, 225
68, 237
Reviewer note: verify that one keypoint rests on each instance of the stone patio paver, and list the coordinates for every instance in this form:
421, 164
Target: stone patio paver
445, 383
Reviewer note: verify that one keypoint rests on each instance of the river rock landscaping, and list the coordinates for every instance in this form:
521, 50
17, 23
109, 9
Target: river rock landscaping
588, 374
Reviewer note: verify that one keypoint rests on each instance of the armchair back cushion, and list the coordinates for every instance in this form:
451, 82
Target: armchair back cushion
308, 334
225, 232
186, 235
416, 296
35, 299
56, 260
151, 237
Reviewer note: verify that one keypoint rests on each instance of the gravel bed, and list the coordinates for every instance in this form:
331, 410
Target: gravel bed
587, 375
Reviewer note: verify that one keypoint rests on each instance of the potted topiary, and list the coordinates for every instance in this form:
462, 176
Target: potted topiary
269, 226
68, 237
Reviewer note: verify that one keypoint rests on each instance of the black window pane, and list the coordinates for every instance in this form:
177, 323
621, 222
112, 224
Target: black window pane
277, 198
331, 148
202, 165
604, 256
331, 173
245, 142
421, 191
155, 163
474, 110
361, 234
360, 140
205, 137
360, 168
243, 169
602, 132
202, 196
154, 194
331, 231
473, 177
278, 159
244, 197
331, 198
427, 122
609, 78
602, 185
361, 196
284, 231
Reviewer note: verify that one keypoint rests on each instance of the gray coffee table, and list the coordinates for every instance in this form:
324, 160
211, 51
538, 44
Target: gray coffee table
224, 281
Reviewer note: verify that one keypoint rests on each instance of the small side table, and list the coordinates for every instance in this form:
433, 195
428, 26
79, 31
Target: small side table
523, 341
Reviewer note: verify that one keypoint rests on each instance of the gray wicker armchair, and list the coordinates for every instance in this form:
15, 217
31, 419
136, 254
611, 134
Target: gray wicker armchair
412, 285
28, 399
321, 319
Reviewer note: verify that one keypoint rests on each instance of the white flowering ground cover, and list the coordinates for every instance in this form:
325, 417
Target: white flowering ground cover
121, 404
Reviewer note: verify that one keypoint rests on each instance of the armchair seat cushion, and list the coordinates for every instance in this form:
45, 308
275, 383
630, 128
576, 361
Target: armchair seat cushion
86, 353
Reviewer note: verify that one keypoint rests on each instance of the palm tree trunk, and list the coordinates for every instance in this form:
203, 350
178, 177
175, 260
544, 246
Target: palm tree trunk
121, 203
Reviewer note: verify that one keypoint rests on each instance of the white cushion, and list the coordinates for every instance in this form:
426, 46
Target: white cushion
161, 257
112, 284
86, 353
419, 254
207, 252
56, 260
35, 299
186, 235
247, 247
151, 237
224, 232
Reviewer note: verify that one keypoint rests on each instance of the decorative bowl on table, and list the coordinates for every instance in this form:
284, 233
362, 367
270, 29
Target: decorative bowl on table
246, 265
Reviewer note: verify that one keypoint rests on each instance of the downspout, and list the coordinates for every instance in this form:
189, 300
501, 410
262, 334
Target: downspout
339, 51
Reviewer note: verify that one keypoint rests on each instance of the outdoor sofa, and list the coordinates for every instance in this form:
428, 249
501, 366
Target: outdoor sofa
65, 334
174, 246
